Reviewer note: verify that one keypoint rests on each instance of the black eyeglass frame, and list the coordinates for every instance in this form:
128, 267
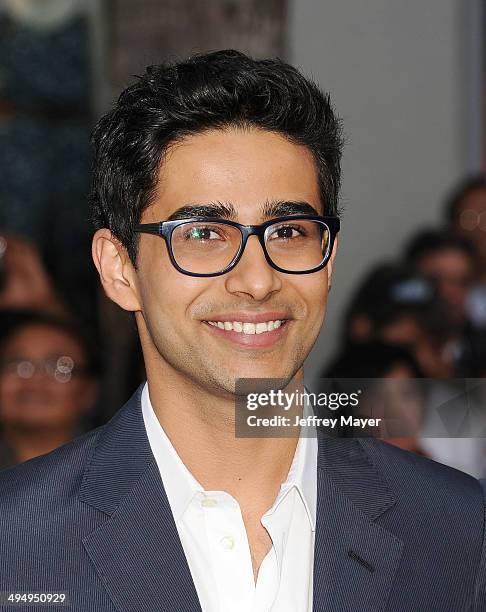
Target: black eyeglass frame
164, 229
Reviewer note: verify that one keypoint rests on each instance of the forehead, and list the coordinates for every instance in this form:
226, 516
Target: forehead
475, 199
447, 257
246, 167
37, 340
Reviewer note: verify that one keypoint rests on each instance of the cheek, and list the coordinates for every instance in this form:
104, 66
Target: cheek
10, 386
167, 298
8, 390
165, 289
313, 290
72, 398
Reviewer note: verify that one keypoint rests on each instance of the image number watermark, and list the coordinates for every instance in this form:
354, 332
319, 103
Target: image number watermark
48, 599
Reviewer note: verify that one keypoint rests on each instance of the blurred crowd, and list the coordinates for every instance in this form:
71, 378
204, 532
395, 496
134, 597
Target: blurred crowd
56, 379
422, 317
59, 375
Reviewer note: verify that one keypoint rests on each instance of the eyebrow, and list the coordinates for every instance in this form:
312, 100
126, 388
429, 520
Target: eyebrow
218, 210
226, 210
281, 208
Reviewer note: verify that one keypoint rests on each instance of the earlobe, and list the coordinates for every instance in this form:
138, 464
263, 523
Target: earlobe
116, 271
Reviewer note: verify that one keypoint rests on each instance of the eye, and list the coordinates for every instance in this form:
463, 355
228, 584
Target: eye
199, 233
286, 232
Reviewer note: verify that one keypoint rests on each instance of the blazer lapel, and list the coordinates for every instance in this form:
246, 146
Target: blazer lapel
355, 558
139, 557
136, 550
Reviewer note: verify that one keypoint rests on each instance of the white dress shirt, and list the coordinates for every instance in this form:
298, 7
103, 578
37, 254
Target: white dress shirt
214, 539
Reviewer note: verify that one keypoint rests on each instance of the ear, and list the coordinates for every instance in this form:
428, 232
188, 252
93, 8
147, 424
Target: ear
330, 263
116, 270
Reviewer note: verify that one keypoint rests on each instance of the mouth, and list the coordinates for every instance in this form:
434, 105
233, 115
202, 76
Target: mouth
263, 332
243, 327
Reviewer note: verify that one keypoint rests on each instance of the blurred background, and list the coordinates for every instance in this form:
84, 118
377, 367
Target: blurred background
409, 292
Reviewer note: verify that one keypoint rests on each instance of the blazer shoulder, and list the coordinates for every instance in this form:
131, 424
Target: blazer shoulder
411, 473
49, 476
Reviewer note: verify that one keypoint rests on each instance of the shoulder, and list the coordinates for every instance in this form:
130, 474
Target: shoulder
440, 514
50, 478
425, 481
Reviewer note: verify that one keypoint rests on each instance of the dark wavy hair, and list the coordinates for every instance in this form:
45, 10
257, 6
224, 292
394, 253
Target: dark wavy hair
211, 91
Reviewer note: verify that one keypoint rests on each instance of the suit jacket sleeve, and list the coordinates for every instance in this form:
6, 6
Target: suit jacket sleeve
480, 591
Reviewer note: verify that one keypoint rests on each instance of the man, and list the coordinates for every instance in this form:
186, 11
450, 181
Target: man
465, 215
164, 508
48, 384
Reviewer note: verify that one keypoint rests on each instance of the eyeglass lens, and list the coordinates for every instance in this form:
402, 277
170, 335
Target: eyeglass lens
209, 247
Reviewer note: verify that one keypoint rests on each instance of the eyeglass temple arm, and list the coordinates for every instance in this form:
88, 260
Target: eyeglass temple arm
148, 228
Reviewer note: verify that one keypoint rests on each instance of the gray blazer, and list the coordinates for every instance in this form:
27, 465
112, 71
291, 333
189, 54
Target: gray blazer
395, 532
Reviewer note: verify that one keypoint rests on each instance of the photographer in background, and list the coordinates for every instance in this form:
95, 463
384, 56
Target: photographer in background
465, 214
395, 305
376, 361
450, 264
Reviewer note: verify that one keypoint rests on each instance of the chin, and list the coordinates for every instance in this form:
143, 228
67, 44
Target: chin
277, 373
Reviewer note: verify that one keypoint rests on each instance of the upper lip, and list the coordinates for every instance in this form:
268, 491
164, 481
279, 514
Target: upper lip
246, 317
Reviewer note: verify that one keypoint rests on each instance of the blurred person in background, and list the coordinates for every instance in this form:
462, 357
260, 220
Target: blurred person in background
404, 397
465, 215
46, 97
450, 264
396, 306
24, 281
48, 384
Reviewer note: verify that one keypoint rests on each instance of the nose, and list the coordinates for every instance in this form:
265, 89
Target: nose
253, 276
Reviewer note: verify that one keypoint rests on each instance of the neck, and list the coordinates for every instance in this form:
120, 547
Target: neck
201, 427
29, 442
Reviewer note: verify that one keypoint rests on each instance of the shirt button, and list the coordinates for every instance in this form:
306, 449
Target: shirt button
209, 502
228, 542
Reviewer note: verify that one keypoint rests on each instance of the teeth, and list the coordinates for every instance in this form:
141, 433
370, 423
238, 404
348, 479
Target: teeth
247, 328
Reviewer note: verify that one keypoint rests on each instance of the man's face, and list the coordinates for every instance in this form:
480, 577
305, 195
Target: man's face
453, 273
247, 170
34, 400
471, 219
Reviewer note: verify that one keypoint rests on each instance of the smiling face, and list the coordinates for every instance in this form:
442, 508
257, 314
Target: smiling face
252, 321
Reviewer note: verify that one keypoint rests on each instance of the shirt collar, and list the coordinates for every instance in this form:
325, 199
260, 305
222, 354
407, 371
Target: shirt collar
303, 471
181, 486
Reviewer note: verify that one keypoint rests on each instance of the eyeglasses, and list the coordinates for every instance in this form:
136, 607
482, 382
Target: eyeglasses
59, 369
199, 246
